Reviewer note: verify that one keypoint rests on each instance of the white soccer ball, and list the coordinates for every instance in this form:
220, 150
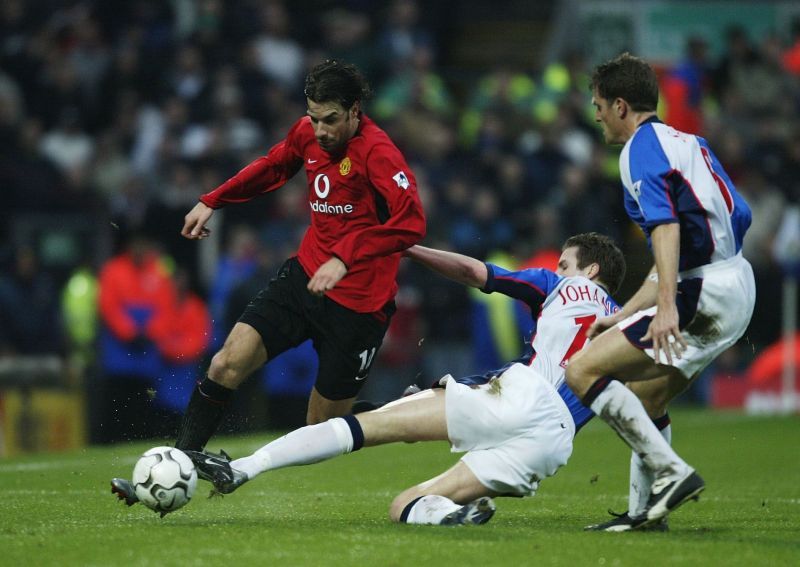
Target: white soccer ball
164, 479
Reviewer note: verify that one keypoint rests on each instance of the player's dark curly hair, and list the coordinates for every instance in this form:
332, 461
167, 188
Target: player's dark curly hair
598, 248
336, 81
629, 78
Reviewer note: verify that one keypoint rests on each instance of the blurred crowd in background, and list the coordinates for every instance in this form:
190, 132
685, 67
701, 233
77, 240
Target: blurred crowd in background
116, 116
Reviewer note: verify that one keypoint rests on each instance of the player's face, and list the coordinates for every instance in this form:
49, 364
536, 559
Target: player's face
568, 262
568, 265
607, 116
333, 125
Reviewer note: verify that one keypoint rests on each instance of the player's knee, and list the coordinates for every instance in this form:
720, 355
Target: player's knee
316, 414
398, 505
655, 405
224, 370
576, 378
313, 418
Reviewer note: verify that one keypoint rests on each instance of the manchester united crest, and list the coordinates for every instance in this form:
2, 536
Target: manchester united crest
344, 166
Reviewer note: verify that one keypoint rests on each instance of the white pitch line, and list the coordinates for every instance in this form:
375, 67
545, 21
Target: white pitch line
60, 464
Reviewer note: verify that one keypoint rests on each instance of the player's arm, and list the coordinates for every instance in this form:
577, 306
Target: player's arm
457, 267
261, 176
644, 298
392, 179
664, 330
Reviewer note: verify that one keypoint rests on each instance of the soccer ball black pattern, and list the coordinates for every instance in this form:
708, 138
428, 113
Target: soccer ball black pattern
164, 479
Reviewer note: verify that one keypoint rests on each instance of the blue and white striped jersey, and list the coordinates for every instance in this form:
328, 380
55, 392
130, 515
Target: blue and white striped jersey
670, 176
562, 310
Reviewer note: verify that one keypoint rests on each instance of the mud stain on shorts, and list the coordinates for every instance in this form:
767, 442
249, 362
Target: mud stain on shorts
704, 328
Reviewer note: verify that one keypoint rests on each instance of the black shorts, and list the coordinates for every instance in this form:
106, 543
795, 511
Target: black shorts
286, 314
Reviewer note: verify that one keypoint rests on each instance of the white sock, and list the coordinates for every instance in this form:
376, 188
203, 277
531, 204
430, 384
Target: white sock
641, 479
622, 410
431, 510
309, 444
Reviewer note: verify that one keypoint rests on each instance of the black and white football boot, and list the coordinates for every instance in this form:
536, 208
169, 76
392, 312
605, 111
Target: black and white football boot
217, 470
624, 523
477, 512
124, 491
667, 495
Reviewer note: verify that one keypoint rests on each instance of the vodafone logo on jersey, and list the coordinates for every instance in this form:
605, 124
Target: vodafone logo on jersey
323, 207
322, 187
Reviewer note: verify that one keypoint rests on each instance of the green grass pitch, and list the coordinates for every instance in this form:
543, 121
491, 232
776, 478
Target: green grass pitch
57, 509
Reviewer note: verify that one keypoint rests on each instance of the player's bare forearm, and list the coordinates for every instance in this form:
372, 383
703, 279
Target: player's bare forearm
666, 244
457, 267
664, 329
645, 297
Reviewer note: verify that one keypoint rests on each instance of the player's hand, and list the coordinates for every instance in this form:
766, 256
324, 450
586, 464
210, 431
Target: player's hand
665, 334
194, 223
602, 324
327, 276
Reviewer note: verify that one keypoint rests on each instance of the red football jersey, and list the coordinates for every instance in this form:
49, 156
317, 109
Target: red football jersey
364, 204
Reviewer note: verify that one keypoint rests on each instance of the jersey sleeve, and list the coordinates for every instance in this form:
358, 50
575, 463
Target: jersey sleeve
263, 175
531, 285
394, 182
650, 172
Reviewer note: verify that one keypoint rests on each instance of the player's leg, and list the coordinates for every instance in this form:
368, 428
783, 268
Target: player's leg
442, 499
347, 344
321, 409
417, 418
271, 323
241, 355
655, 396
590, 373
515, 430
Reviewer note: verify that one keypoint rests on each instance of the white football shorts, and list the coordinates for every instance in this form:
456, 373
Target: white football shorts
725, 304
516, 430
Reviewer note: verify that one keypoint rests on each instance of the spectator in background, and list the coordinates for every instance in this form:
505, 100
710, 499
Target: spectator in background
581, 207
30, 181
280, 57
136, 294
238, 262
503, 94
767, 205
68, 145
29, 309
791, 55
402, 35
788, 178
345, 36
182, 335
482, 229
684, 87
738, 56
79, 312
546, 161
418, 86
188, 80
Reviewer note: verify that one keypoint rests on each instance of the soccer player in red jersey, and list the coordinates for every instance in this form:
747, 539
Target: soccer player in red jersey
339, 289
